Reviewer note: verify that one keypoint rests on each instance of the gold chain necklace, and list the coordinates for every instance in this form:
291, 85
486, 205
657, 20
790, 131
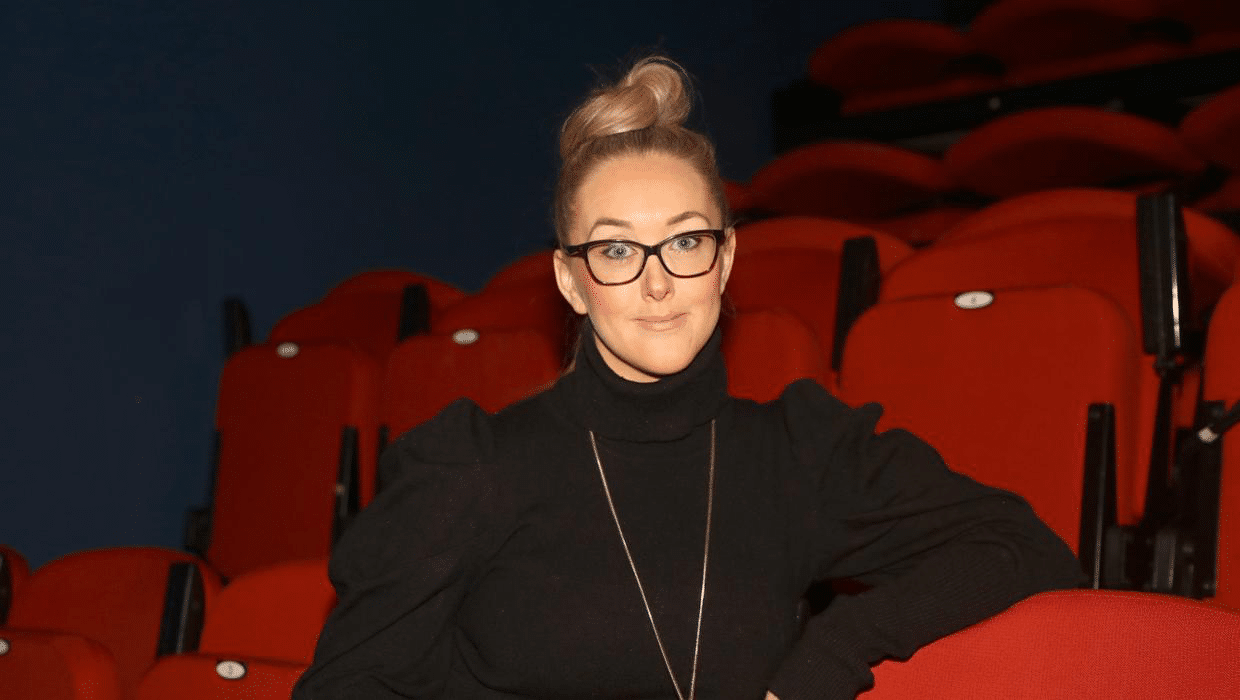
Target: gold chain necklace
710, 506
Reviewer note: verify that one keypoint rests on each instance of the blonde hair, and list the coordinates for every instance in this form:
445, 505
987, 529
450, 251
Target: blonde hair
644, 112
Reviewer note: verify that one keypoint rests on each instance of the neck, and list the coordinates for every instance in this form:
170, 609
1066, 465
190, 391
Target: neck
666, 409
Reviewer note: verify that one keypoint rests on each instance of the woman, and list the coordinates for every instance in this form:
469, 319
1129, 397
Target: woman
635, 532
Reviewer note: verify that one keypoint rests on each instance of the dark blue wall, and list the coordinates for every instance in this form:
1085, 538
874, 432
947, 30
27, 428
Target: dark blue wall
162, 156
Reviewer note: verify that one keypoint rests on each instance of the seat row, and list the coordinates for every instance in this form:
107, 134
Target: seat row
918, 197
798, 285
150, 624
894, 62
145, 623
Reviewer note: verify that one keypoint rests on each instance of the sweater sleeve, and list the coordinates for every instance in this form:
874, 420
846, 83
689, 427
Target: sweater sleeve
402, 568
938, 550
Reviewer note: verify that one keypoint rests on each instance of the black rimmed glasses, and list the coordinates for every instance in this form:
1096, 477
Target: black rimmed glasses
617, 261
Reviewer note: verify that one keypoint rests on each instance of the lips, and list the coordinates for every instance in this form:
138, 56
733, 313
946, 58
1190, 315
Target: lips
667, 322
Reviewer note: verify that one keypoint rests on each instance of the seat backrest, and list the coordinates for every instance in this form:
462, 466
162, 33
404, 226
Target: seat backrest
115, 597
532, 266
804, 282
766, 351
815, 233
532, 304
294, 421
1222, 383
364, 310
55, 666
273, 613
1068, 147
493, 367
1213, 248
258, 638
848, 179
1003, 389
1064, 645
203, 677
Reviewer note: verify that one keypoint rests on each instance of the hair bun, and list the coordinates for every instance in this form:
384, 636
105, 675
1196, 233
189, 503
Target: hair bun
652, 93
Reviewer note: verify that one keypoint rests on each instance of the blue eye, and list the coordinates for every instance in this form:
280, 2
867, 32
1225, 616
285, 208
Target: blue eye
686, 243
616, 251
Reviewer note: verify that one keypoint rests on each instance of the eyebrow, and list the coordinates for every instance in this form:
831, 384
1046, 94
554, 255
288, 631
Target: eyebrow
685, 216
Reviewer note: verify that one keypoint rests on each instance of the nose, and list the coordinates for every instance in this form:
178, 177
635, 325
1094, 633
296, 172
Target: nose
655, 280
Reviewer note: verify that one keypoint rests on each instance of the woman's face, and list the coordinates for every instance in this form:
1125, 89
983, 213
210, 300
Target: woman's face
656, 324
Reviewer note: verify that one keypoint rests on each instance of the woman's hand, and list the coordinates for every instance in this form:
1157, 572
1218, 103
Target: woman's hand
770, 696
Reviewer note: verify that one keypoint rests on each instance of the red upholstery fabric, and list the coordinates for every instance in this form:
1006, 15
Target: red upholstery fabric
51, 666
1212, 130
892, 62
274, 613
1213, 248
1215, 23
363, 310
737, 194
111, 596
887, 54
1048, 39
1097, 254
816, 233
804, 282
194, 677
848, 179
532, 304
534, 266
924, 227
1003, 391
1067, 147
1067, 645
1222, 383
426, 373
766, 351
280, 421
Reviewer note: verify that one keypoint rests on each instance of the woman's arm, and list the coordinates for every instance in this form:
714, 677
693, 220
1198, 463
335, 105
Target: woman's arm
938, 550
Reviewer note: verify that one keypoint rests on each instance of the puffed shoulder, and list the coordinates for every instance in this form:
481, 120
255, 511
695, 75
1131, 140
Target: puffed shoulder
818, 423
461, 433
439, 496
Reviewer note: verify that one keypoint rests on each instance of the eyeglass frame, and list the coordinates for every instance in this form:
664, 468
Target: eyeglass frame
581, 249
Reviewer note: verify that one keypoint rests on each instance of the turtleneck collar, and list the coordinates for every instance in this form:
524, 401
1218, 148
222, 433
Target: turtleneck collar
597, 398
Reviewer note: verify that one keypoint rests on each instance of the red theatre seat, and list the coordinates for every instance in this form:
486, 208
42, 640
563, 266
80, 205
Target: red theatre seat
1067, 645
1055, 147
534, 266
1002, 384
803, 282
892, 62
364, 310
533, 304
492, 367
815, 233
1212, 130
90, 609
298, 433
766, 351
258, 638
848, 180
1042, 40
1104, 221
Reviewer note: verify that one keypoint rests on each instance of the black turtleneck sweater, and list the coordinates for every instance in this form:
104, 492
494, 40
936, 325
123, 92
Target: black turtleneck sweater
491, 566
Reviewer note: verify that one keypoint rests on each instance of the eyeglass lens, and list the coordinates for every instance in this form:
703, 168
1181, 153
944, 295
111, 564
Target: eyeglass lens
618, 262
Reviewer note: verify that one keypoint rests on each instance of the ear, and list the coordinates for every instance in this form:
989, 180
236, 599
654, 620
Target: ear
567, 282
726, 255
